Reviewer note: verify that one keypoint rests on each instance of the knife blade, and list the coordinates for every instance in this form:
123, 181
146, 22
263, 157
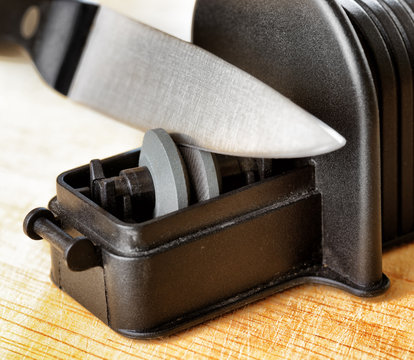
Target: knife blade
149, 79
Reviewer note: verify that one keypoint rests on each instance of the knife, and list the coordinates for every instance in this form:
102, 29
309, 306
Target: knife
148, 79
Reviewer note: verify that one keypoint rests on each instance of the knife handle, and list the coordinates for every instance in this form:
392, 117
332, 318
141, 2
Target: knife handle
53, 32
19, 16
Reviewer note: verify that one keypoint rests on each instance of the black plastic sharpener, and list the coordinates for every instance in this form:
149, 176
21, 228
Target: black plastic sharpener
321, 220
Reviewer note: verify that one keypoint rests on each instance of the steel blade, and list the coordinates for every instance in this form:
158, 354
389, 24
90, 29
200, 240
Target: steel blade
149, 79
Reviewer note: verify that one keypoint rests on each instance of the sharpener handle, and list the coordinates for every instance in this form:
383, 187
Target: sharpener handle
79, 253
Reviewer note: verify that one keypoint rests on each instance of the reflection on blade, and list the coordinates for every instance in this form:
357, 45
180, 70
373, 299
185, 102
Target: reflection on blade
149, 79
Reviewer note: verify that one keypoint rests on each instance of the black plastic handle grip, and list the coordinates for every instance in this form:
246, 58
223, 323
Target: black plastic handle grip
13, 15
54, 33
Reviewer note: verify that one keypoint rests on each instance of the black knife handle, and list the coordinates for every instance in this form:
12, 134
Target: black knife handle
54, 33
12, 15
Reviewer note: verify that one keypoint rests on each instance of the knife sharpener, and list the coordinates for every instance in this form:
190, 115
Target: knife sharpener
350, 63
320, 220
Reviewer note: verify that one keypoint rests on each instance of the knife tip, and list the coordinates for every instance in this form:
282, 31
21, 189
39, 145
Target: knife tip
337, 141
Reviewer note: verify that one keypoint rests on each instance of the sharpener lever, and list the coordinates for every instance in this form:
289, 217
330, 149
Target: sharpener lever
79, 253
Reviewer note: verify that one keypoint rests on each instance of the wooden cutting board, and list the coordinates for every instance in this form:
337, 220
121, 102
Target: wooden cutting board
43, 134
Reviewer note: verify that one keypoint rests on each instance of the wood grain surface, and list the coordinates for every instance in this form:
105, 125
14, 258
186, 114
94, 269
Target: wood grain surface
43, 134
